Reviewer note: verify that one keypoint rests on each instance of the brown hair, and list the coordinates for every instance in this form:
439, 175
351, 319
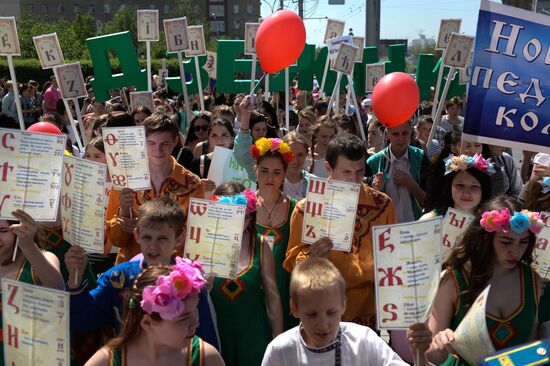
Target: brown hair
155, 213
158, 122
96, 142
316, 274
453, 101
131, 327
475, 252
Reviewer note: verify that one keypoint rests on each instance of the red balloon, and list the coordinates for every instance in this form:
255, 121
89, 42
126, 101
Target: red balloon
45, 127
395, 99
280, 40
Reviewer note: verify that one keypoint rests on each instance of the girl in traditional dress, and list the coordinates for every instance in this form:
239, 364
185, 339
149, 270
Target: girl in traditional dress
267, 160
465, 186
248, 307
496, 250
160, 321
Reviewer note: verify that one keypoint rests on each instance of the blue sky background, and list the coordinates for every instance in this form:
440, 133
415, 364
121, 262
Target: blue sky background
399, 18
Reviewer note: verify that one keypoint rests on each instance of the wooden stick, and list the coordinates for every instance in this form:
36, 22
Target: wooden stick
437, 119
335, 92
16, 93
438, 85
357, 114
80, 123
73, 124
325, 71
184, 86
266, 92
287, 112
15, 250
199, 82
148, 51
252, 79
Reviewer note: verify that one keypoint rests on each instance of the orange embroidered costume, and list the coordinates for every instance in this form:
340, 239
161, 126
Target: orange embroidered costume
357, 267
180, 186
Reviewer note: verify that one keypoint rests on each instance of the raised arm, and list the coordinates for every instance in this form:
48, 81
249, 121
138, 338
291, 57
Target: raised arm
44, 264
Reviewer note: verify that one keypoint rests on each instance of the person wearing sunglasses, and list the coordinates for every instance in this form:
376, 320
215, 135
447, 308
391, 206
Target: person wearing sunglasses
197, 135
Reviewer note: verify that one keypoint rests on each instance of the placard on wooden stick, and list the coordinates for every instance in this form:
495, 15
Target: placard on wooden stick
359, 42
335, 28
70, 80
177, 36
144, 98
250, 30
458, 51
446, 28
346, 59
148, 25
49, 50
9, 41
373, 73
464, 74
197, 45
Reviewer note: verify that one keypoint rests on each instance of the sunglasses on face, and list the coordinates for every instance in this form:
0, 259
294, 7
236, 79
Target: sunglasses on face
198, 128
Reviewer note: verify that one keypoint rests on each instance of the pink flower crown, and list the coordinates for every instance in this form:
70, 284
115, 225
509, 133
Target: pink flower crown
519, 222
246, 198
463, 162
264, 145
166, 297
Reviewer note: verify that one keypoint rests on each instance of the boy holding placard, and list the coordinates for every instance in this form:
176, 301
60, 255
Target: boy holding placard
317, 298
159, 231
168, 179
345, 161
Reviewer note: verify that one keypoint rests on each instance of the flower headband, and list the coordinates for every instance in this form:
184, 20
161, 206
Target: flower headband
246, 198
501, 221
463, 162
165, 298
263, 145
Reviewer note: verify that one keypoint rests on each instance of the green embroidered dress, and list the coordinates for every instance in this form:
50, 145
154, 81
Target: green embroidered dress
504, 332
277, 238
195, 354
241, 313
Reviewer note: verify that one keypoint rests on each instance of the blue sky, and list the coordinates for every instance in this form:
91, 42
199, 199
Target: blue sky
399, 18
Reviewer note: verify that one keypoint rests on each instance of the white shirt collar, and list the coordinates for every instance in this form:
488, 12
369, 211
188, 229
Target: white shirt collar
394, 158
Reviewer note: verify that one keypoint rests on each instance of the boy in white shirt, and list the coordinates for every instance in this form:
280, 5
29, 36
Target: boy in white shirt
317, 298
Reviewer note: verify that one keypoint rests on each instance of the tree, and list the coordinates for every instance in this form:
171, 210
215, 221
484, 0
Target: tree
125, 19
84, 26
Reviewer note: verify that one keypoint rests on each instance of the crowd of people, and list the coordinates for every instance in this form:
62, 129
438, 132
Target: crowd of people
140, 302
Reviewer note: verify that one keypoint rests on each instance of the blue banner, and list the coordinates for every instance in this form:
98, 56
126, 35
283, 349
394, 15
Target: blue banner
509, 84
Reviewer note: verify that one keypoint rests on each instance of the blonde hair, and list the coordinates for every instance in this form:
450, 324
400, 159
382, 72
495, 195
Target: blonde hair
296, 137
315, 274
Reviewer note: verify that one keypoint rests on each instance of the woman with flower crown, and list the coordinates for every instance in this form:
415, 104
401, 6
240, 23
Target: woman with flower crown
248, 307
497, 250
160, 320
465, 186
268, 160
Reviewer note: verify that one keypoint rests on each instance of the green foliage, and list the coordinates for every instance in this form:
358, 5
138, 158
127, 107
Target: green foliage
125, 19
28, 69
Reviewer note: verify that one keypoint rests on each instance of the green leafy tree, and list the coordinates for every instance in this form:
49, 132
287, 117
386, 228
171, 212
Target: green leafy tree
125, 19
84, 26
